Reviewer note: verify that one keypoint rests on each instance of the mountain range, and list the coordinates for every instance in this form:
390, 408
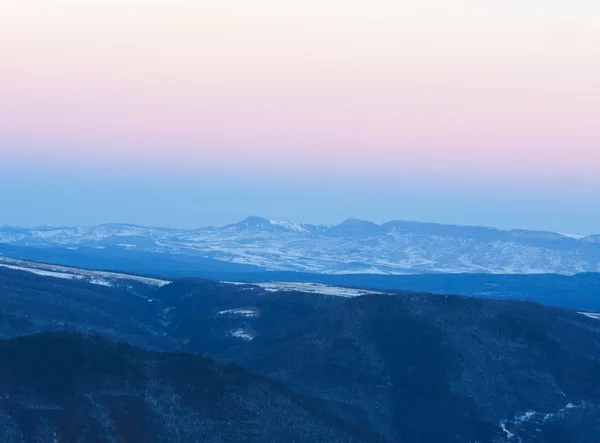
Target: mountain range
352, 364
352, 247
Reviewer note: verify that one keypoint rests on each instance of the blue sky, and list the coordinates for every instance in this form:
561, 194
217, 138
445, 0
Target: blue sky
39, 197
469, 112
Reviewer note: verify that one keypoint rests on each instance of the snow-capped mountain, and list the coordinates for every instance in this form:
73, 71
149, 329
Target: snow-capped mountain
354, 246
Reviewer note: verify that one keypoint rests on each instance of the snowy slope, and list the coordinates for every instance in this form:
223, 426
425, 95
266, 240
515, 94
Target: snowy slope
101, 278
354, 246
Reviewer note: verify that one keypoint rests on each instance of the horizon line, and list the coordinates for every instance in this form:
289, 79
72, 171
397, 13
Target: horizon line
272, 220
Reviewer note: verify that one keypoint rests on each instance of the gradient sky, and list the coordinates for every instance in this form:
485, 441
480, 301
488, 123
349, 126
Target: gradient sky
196, 112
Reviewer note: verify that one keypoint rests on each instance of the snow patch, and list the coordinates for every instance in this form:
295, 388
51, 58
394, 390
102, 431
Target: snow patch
242, 312
43, 273
506, 431
290, 226
241, 333
69, 273
100, 281
575, 236
315, 288
526, 416
534, 418
593, 315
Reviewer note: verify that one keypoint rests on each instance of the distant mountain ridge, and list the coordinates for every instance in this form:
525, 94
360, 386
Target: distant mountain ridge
351, 247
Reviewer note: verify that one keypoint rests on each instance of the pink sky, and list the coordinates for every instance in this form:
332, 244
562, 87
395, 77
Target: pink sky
388, 87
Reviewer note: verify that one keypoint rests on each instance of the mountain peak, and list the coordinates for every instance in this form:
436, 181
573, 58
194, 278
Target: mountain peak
357, 222
253, 221
356, 225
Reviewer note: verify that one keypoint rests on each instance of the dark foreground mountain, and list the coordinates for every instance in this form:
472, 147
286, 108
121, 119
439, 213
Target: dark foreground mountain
410, 367
414, 367
116, 308
64, 387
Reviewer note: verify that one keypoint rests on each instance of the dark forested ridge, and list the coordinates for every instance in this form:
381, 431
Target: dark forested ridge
66, 387
415, 367
407, 367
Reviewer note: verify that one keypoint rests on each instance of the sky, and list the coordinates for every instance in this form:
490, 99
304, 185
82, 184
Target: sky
193, 112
